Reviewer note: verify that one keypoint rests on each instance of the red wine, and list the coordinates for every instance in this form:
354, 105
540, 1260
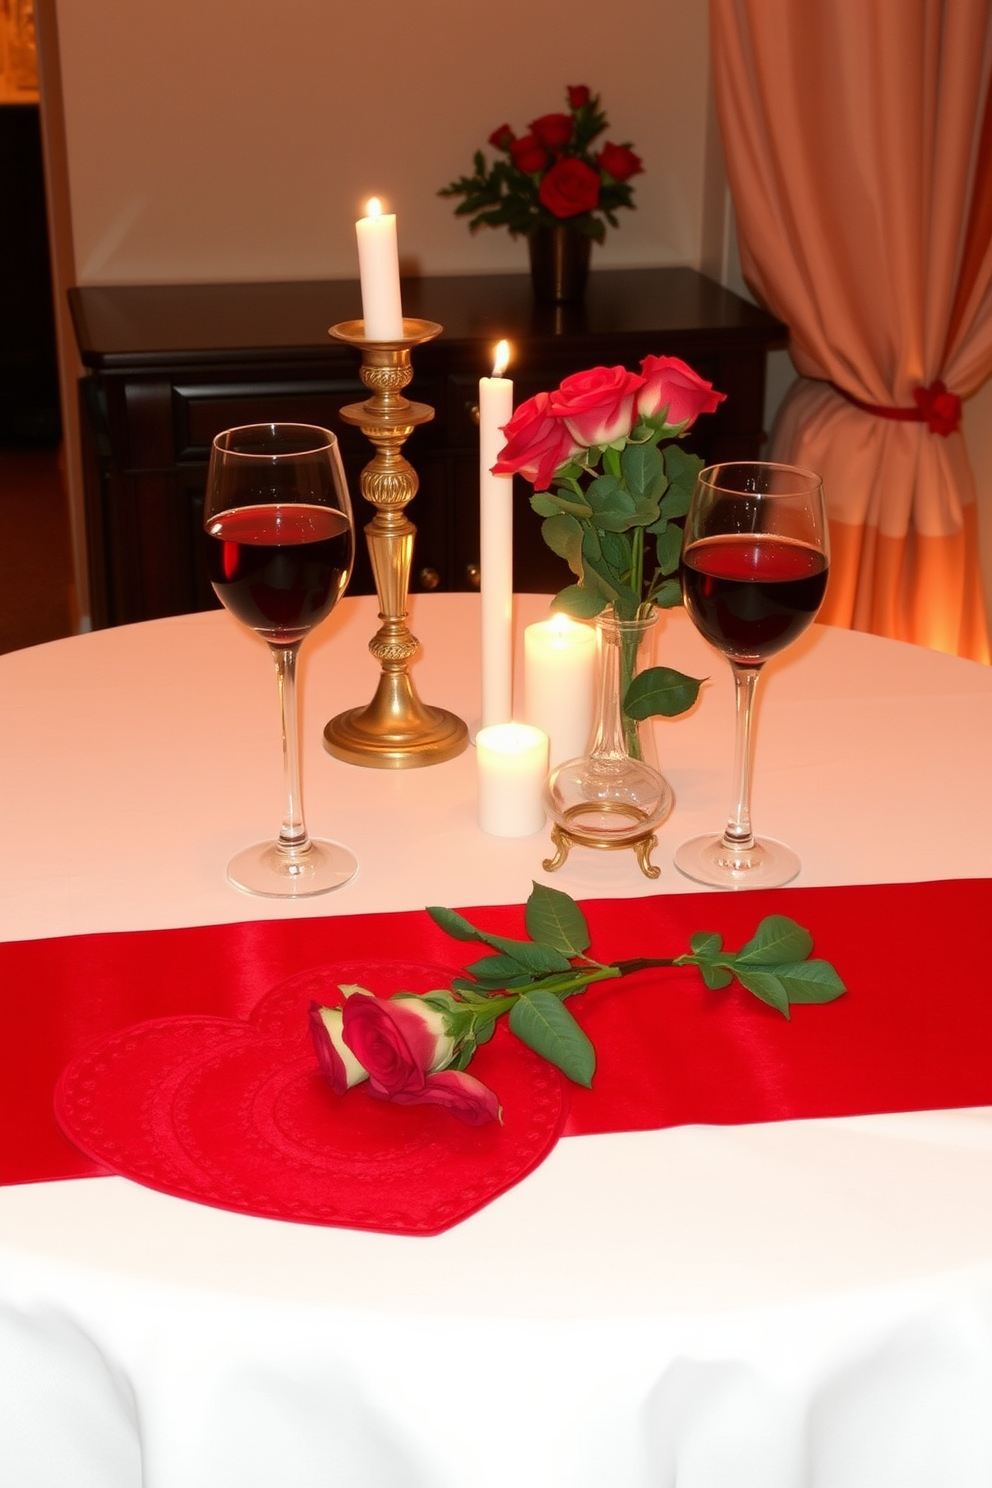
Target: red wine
281, 568
752, 594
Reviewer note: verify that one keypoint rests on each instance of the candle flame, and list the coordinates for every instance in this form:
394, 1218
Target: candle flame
502, 358
373, 207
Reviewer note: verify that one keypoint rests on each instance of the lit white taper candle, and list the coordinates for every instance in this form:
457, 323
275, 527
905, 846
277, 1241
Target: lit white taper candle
496, 545
379, 270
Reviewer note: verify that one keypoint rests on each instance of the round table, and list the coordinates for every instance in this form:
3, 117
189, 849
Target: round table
771, 1305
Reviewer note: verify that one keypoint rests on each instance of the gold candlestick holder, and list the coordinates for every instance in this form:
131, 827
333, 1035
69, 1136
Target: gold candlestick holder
395, 730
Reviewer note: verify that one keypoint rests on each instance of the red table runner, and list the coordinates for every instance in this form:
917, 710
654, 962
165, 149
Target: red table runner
913, 1032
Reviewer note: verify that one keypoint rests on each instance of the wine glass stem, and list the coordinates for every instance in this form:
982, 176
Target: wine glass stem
738, 833
293, 837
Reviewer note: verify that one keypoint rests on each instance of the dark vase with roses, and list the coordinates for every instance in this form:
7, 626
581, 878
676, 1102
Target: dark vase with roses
552, 186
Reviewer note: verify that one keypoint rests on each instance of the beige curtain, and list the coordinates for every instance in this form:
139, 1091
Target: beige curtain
858, 141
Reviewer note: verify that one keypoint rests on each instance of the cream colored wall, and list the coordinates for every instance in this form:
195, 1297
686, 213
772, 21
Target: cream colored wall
238, 140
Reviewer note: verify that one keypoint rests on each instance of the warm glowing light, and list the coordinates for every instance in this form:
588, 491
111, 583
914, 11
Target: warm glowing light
374, 207
502, 359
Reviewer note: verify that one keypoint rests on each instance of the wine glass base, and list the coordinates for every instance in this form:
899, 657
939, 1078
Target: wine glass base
277, 873
709, 860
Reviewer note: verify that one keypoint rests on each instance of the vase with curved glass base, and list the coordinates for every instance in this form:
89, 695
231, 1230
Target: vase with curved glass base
612, 797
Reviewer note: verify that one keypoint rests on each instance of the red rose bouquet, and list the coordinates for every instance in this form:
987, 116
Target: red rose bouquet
613, 484
553, 174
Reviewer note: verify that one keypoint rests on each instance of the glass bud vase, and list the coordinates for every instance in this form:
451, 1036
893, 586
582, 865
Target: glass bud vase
614, 796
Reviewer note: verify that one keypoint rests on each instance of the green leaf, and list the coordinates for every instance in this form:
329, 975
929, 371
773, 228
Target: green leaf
454, 924
706, 943
668, 546
715, 977
613, 507
811, 981
495, 971
579, 602
660, 692
468, 990
668, 594
766, 986
777, 940
531, 955
545, 1025
644, 472
682, 469
554, 919
553, 503
563, 535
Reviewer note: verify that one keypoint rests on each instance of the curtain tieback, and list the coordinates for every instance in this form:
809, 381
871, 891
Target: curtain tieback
933, 406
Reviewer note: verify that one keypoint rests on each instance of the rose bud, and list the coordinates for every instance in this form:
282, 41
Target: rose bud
578, 97
671, 384
337, 1063
619, 161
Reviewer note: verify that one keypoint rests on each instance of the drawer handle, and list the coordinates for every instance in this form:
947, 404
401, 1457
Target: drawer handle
474, 575
429, 578
472, 409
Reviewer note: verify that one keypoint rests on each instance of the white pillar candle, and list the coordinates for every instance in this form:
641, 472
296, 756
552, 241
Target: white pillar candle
560, 683
496, 545
512, 768
379, 269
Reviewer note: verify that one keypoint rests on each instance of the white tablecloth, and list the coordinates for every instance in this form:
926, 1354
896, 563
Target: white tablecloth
800, 1303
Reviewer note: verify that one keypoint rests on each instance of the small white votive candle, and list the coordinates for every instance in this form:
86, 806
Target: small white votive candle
513, 768
560, 684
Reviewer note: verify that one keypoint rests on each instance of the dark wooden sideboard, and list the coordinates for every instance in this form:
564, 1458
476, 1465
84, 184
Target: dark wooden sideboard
169, 366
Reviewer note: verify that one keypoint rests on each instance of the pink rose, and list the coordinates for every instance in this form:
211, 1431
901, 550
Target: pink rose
401, 1047
598, 406
619, 161
670, 383
397, 1041
536, 443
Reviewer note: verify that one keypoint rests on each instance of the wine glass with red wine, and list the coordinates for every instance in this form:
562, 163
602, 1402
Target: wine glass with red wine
753, 571
280, 542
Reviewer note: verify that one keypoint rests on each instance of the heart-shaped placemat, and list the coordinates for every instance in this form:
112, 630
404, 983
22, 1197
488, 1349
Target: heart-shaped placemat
237, 1115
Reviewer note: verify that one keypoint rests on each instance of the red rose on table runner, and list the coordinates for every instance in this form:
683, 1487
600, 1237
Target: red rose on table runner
553, 130
570, 188
536, 443
528, 154
502, 138
598, 406
578, 96
619, 161
401, 1046
670, 383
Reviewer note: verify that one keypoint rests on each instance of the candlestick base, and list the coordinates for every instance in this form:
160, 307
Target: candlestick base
395, 730
625, 828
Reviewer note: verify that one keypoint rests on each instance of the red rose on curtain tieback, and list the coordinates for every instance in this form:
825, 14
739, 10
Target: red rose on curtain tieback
553, 130
941, 409
619, 161
569, 189
578, 96
528, 154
